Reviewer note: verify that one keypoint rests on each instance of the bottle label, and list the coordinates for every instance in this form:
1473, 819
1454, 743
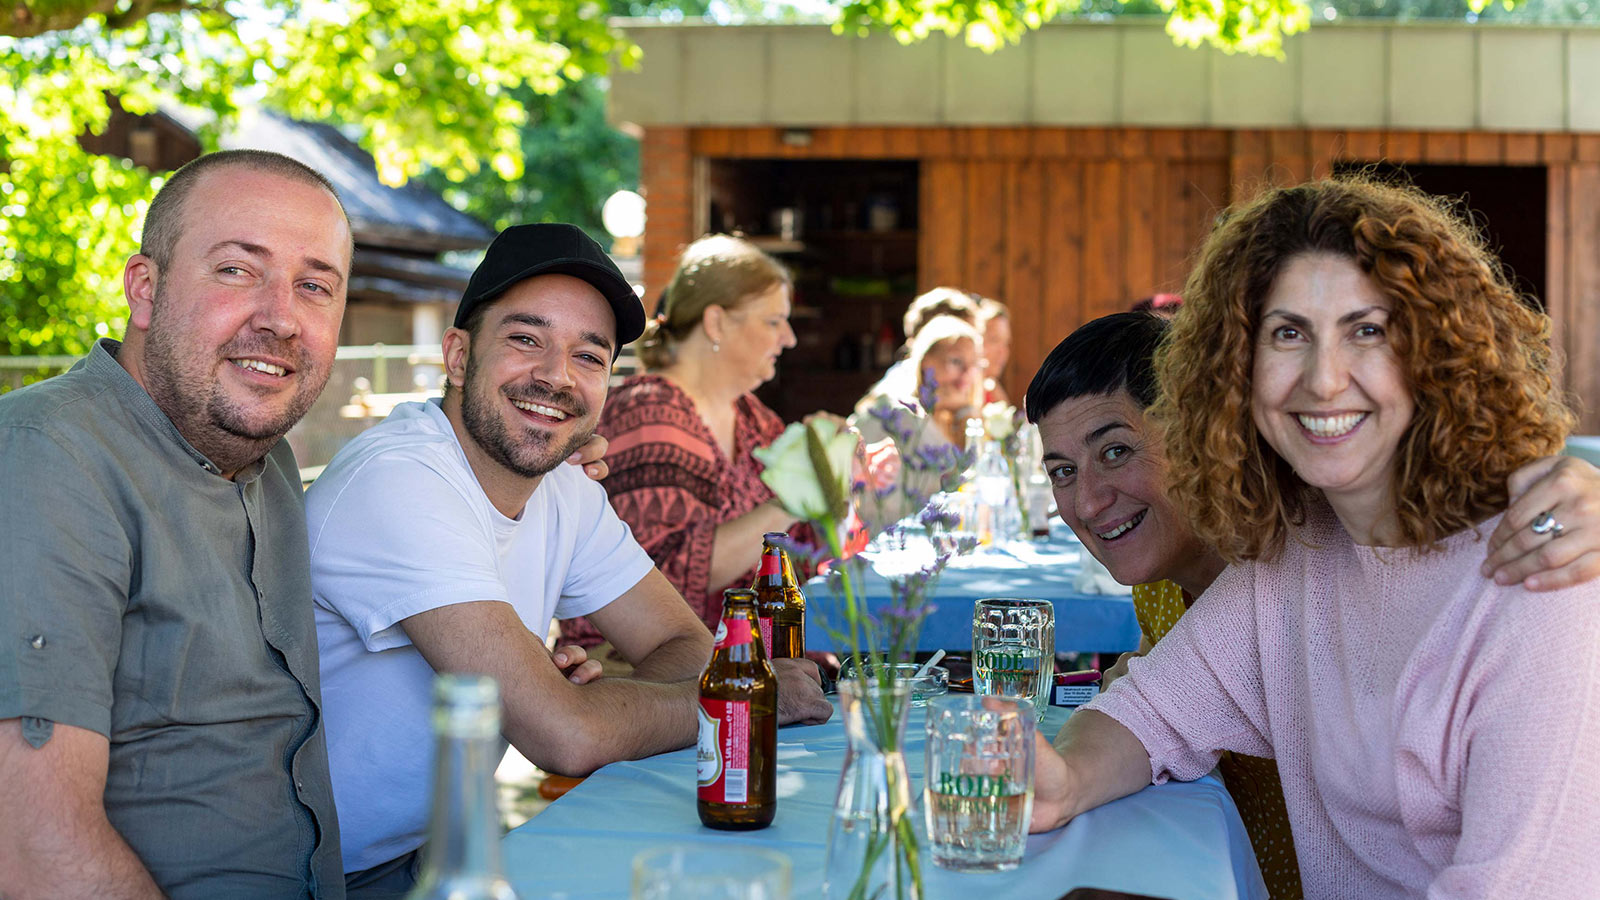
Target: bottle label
771, 564
733, 633
766, 634
722, 754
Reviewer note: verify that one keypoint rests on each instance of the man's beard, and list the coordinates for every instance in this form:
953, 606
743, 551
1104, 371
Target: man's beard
531, 456
183, 382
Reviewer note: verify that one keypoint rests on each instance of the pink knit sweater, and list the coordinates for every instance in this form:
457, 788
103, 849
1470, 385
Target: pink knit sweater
1435, 733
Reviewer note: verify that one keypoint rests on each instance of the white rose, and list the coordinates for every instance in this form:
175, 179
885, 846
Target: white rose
999, 420
811, 485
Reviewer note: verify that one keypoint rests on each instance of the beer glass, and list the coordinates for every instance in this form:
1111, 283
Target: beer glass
711, 872
978, 795
1014, 649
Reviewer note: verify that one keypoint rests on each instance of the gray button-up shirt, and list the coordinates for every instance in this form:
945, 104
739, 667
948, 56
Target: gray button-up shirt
144, 597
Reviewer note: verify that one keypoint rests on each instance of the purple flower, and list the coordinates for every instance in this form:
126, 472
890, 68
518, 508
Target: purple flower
928, 391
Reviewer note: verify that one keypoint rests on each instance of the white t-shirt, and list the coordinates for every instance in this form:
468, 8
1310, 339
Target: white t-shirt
398, 526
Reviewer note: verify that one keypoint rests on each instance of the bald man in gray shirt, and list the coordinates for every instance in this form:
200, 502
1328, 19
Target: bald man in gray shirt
160, 727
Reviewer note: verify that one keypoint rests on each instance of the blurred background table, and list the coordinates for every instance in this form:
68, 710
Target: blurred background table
1046, 569
1174, 840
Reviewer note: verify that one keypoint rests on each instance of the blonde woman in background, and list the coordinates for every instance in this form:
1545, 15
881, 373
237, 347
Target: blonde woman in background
947, 359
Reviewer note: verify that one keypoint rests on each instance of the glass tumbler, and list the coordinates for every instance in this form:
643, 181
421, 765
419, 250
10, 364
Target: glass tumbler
978, 795
1014, 649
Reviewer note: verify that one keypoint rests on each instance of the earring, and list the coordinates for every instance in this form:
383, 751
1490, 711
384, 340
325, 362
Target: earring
716, 347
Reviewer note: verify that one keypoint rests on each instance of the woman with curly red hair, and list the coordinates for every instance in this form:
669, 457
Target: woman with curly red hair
1347, 389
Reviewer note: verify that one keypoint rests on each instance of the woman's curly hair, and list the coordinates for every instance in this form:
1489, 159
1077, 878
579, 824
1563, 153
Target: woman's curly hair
1475, 355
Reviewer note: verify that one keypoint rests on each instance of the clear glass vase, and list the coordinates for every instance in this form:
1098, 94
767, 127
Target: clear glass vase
872, 838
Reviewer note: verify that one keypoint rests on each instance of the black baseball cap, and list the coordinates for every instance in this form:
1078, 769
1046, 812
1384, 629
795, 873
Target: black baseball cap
523, 251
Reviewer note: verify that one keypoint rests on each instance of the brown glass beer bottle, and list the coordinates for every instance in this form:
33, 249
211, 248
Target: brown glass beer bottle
737, 754
780, 605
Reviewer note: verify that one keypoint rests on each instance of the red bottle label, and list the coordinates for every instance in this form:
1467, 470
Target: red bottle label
722, 754
771, 564
766, 634
733, 633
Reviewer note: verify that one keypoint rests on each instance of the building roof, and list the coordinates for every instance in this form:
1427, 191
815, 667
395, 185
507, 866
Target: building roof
1350, 75
411, 217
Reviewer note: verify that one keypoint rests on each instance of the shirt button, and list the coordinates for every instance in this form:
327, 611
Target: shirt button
37, 642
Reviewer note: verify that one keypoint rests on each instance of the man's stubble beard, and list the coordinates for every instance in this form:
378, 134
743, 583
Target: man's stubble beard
488, 430
183, 384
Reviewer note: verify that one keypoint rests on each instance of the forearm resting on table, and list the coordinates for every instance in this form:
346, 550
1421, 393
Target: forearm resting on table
1097, 760
737, 544
559, 726
602, 722
55, 840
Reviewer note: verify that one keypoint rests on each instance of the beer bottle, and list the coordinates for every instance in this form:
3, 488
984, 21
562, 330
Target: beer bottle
737, 754
780, 606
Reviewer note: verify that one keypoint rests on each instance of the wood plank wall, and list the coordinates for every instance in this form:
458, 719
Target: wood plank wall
1068, 224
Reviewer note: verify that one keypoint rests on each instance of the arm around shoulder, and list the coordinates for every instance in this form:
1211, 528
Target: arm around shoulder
55, 839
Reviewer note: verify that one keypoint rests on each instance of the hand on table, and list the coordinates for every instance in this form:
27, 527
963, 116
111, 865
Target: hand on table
1121, 667
589, 457
800, 696
880, 465
1568, 489
574, 662
1118, 670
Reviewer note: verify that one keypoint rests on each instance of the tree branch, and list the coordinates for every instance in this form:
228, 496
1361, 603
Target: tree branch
31, 19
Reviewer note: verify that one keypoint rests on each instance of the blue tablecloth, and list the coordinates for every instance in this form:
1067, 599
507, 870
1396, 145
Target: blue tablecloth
1087, 623
1175, 840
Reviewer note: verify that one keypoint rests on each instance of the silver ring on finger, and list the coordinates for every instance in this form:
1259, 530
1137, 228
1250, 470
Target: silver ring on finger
1546, 524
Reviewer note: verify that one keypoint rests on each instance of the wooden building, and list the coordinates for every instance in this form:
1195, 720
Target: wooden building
1077, 172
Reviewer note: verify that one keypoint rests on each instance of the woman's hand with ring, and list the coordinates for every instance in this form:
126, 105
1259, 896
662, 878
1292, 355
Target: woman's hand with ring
1566, 490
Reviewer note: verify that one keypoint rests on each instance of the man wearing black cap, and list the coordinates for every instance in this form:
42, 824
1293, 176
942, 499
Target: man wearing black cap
446, 539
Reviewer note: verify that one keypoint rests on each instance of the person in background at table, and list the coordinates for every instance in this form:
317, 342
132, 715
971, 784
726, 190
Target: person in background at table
682, 433
900, 381
947, 355
1349, 469
996, 322
447, 537
160, 733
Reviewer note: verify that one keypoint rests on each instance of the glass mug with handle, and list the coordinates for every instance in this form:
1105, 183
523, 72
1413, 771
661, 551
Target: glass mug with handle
978, 790
1014, 649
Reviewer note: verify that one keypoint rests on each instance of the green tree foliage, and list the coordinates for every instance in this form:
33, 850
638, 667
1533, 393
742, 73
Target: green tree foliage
1248, 26
499, 103
573, 160
426, 83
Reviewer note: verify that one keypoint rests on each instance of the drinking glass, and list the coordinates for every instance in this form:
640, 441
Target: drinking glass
978, 796
1014, 649
711, 872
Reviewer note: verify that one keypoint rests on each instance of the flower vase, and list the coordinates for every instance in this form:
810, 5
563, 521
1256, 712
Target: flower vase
872, 839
